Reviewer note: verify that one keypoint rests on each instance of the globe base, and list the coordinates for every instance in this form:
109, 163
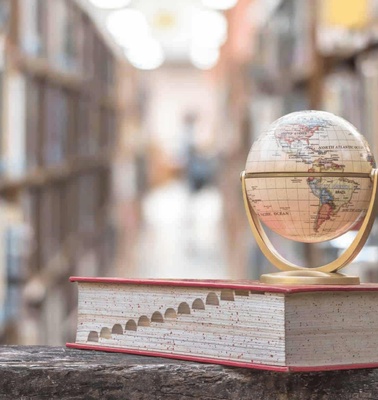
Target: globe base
308, 277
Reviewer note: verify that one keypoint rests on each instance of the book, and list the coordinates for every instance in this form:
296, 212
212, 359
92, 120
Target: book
34, 90
367, 73
282, 43
235, 323
55, 125
5, 10
344, 31
15, 236
108, 127
83, 127
50, 228
342, 95
57, 33
14, 143
30, 204
31, 27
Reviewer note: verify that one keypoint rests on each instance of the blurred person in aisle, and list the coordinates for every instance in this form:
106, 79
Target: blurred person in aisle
200, 165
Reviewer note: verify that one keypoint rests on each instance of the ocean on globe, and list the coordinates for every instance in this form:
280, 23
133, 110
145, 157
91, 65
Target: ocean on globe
310, 208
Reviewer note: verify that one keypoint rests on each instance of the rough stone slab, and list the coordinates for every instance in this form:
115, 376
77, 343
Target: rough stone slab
60, 373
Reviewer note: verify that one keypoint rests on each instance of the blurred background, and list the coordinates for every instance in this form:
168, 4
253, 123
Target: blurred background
124, 126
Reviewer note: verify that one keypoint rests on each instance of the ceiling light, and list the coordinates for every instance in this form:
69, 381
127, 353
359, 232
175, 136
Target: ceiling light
219, 4
110, 4
209, 28
147, 55
127, 26
204, 58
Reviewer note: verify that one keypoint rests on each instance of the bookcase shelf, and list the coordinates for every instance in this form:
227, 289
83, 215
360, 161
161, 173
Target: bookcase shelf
40, 68
45, 176
60, 117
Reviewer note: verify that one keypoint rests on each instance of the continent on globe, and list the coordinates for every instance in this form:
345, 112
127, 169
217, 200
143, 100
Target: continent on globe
333, 193
292, 135
326, 165
294, 139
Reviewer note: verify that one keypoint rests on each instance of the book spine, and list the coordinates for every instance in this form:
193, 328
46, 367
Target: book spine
15, 150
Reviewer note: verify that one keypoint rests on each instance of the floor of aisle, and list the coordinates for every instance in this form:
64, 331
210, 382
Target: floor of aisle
182, 234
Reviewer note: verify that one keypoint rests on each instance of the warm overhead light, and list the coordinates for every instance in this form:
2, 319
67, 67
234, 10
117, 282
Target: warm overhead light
147, 55
209, 28
110, 4
204, 58
127, 26
219, 4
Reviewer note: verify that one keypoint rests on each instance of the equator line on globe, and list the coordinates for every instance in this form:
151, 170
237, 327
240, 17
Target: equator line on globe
310, 177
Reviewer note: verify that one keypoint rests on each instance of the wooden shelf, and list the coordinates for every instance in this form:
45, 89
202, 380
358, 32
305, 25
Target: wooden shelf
41, 68
347, 58
53, 174
293, 80
110, 102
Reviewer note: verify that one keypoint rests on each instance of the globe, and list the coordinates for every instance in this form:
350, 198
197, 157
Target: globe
307, 176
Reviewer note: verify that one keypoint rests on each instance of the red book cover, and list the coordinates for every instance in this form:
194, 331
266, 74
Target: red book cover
243, 284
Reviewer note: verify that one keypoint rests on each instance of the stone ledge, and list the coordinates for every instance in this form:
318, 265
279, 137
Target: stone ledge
59, 373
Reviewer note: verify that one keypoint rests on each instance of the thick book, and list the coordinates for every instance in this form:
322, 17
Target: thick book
235, 323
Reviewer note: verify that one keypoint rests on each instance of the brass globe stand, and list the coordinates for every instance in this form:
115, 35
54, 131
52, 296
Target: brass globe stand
293, 274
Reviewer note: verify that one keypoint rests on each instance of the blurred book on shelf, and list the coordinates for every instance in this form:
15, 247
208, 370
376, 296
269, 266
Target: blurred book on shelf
14, 251
342, 96
55, 125
283, 49
5, 10
264, 109
345, 29
14, 150
50, 229
58, 38
31, 27
367, 65
303, 55
33, 121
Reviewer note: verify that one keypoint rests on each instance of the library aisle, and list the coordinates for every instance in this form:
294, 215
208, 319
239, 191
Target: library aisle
124, 126
185, 238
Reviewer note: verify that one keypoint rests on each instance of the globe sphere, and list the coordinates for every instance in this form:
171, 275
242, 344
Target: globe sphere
310, 208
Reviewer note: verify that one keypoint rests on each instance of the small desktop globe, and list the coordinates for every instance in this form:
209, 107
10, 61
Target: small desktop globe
313, 208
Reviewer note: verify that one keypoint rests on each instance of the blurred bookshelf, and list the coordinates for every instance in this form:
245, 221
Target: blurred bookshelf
307, 54
347, 43
60, 121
